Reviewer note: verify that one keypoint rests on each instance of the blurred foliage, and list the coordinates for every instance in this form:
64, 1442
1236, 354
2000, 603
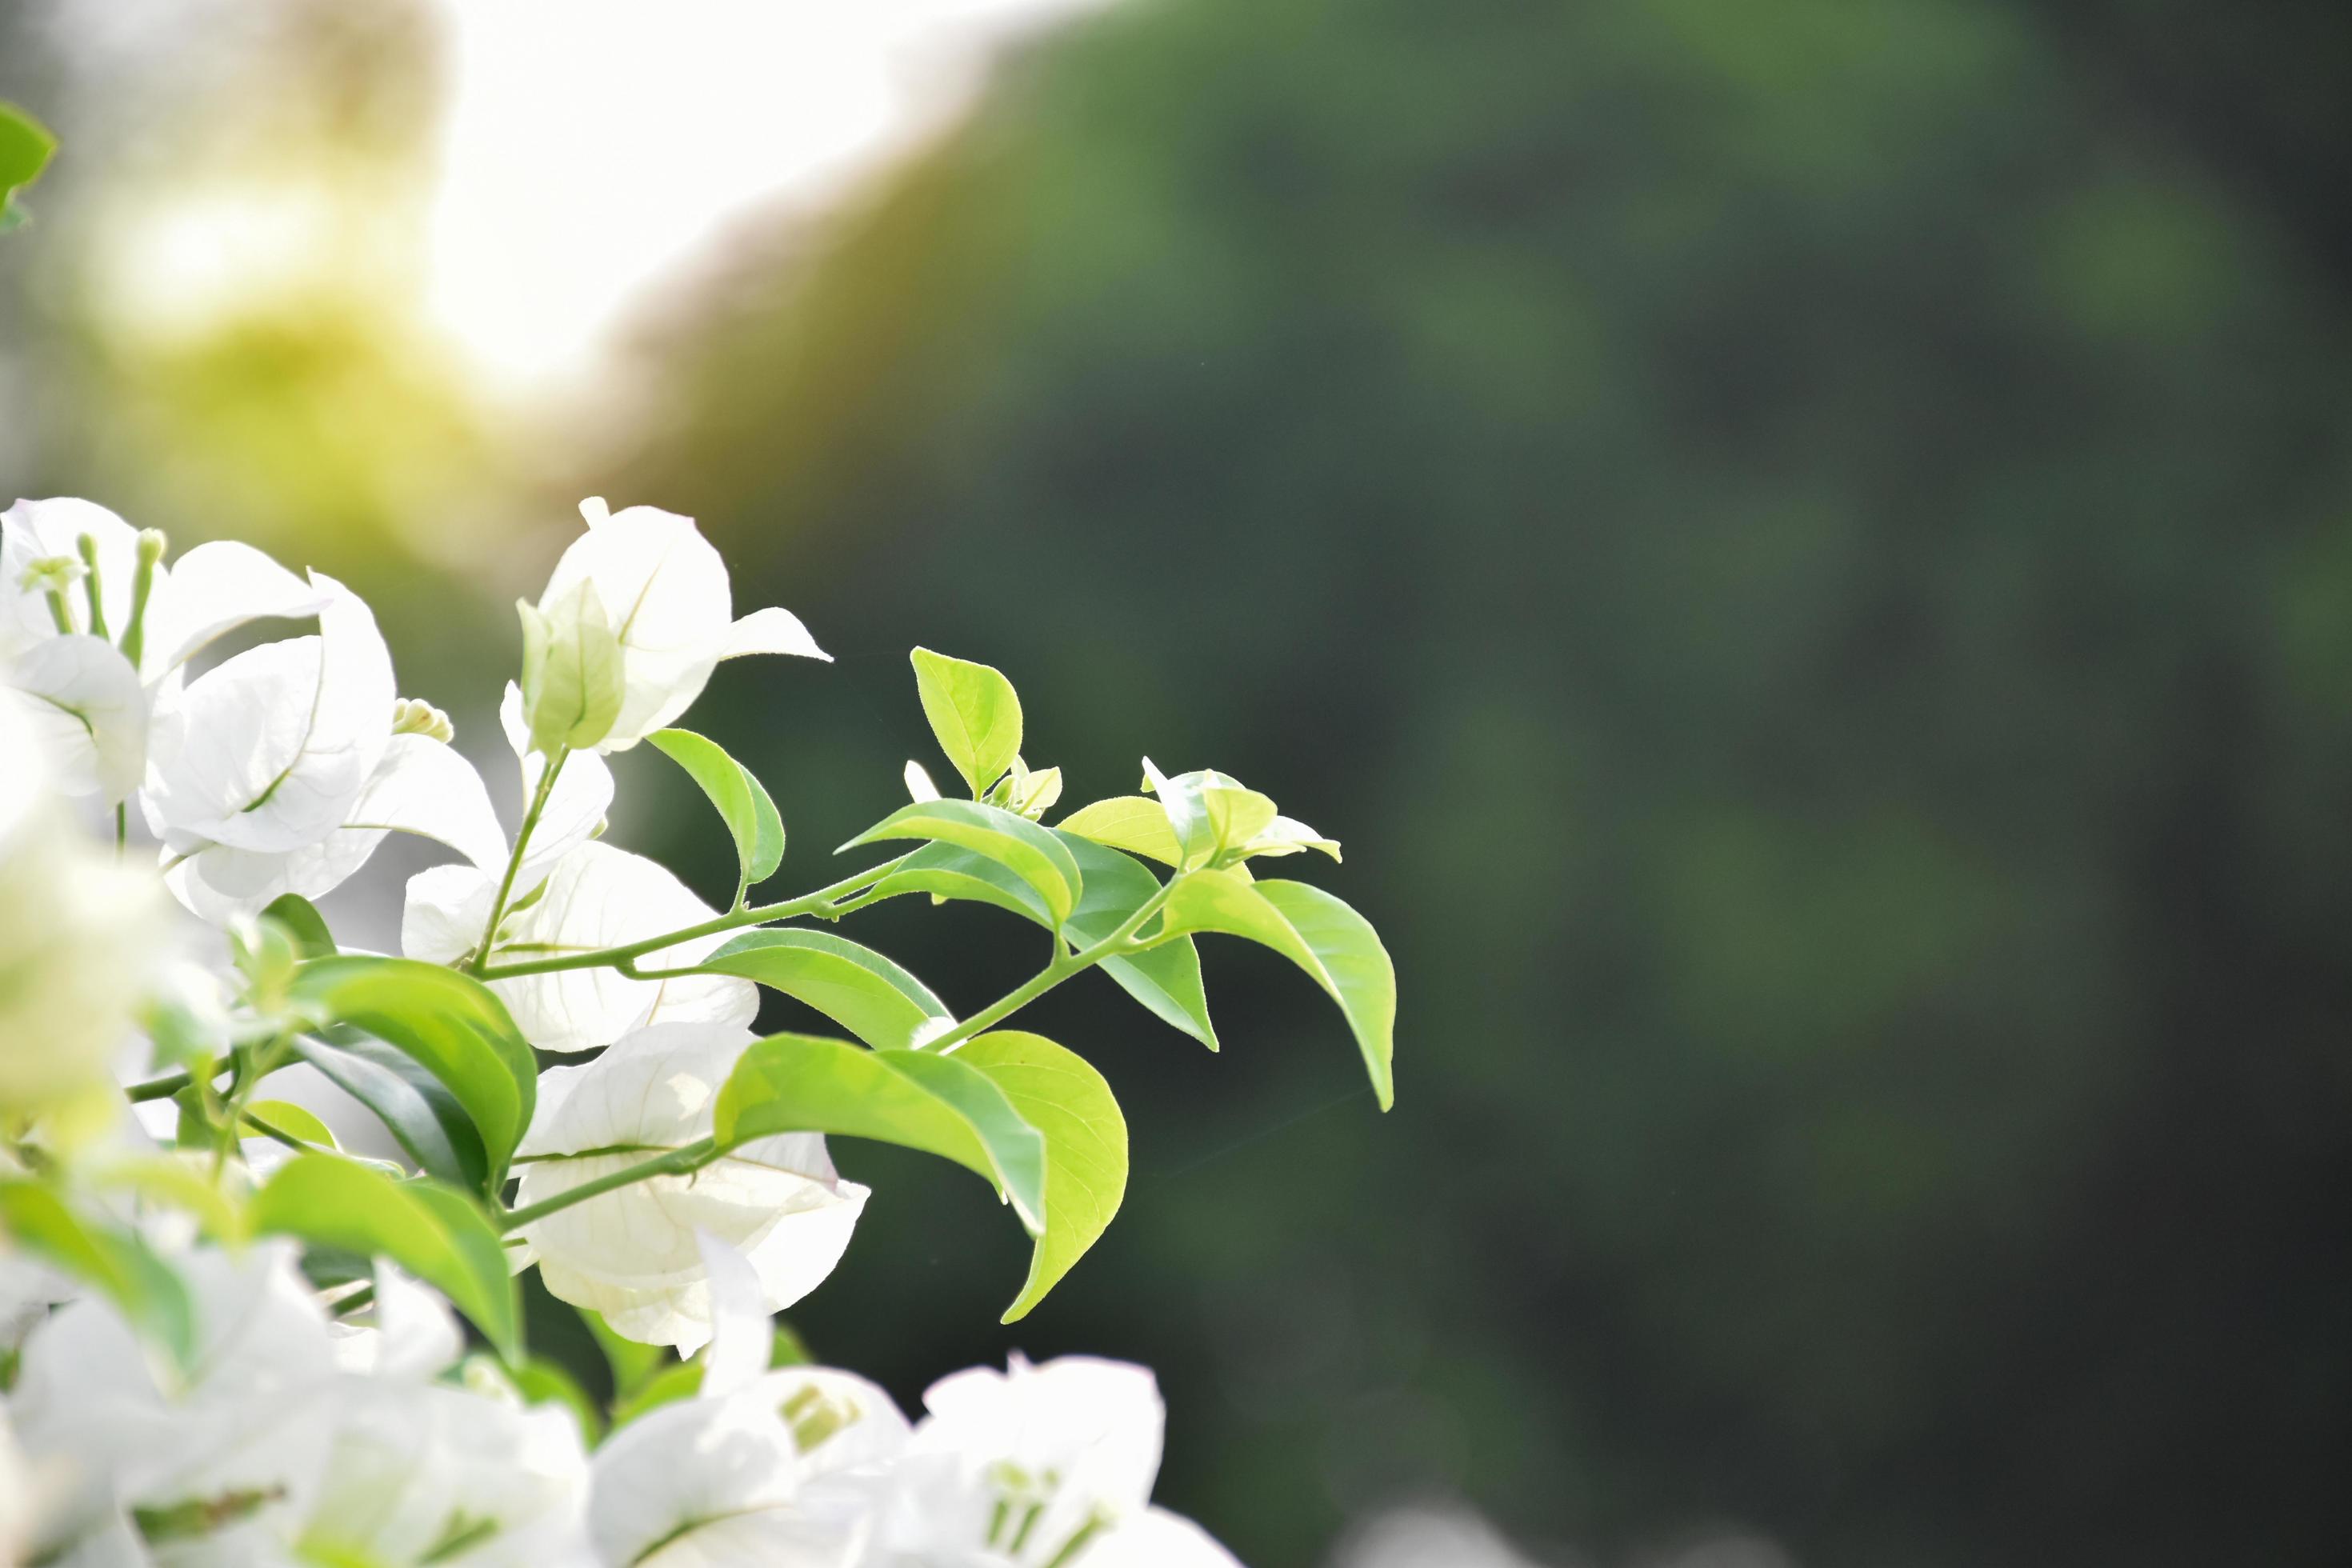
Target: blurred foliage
1807, 550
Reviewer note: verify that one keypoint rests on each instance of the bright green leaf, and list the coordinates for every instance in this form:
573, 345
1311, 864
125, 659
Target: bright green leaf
1135, 823
111, 1259
855, 987
303, 922
1030, 852
25, 146
449, 1023
436, 1232
631, 1363
945, 871
796, 1083
1317, 932
678, 1380
974, 712
1068, 1102
543, 1382
285, 1116
1166, 977
419, 1112
743, 801
571, 677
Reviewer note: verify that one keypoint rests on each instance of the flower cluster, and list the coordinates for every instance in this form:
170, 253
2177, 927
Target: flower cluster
225, 1338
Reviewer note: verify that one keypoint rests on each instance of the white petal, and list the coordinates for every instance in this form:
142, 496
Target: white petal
667, 590
31, 530
423, 786
920, 787
216, 588
85, 704
446, 909
412, 1337
575, 808
771, 630
268, 750
1158, 1539
600, 896
741, 1330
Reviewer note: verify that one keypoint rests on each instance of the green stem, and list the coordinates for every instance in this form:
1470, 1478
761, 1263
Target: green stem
514, 860
1064, 966
678, 1161
164, 1088
820, 903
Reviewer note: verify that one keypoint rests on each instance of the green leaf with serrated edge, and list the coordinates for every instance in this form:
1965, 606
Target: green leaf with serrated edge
423, 1117
1030, 852
434, 1231
302, 919
741, 800
111, 1259
855, 987
448, 1022
1135, 823
1068, 1102
798, 1083
974, 712
292, 1119
1317, 932
631, 1363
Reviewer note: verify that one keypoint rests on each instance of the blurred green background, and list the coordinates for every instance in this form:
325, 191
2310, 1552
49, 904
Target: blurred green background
1806, 549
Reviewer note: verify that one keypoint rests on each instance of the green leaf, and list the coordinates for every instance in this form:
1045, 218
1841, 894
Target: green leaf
1068, 1102
1317, 932
543, 1382
436, 1232
303, 922
1135, 823
25, 146
797, 1083
419, 1112
631, 1363
742, 801
571, 677
1209, 813
1166, 977
111, 1259
176, 1182
855, 987
677, 1381
974, 712
292, 1119
1030, 852
450, 1024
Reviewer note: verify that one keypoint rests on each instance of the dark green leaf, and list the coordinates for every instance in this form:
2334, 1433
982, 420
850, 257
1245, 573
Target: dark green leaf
1068, 1103
855, 987
796, 1083
449, 1023
422, 1115
742, 801
436, 1232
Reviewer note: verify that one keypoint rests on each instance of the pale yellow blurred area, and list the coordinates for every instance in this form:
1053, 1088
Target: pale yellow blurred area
373, 271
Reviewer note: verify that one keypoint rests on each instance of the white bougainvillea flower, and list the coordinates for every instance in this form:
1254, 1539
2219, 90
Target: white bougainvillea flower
596, 897
1038, 1465
80, 937
635, 1254
666, 592
212, 1464
281, 771
407, 1332
788, 1471
457, 1477
101, 661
